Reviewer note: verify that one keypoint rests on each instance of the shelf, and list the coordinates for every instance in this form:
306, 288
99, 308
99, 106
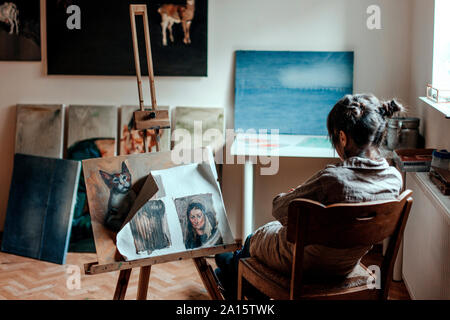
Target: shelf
443, 108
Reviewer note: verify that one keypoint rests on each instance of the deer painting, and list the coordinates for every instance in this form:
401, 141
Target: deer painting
9, 14
174, 13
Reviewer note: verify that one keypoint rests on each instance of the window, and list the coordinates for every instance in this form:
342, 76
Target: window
441, 53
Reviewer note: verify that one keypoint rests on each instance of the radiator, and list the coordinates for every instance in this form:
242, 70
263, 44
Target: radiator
426, 242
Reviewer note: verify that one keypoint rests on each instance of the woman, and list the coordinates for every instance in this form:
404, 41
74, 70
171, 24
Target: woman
201, 227
356, 127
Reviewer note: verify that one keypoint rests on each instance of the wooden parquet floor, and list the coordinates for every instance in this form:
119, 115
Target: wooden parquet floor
28, 279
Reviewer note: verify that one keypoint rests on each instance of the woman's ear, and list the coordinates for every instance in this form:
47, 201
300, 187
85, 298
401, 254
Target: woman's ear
343, 139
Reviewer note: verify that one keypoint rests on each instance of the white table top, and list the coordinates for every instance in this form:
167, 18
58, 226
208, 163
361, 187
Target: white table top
283, 146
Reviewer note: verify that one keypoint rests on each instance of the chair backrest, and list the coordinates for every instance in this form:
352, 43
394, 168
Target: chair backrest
347, 225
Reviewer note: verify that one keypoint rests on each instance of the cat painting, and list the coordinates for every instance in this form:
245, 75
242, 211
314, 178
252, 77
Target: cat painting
121, 197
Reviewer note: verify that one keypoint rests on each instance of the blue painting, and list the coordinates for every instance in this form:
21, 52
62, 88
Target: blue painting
290, 91
40, 207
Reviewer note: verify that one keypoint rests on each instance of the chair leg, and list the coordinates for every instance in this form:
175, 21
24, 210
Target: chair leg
239, 284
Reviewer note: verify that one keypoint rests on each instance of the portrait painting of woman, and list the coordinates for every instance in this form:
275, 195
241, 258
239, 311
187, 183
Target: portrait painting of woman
198, 221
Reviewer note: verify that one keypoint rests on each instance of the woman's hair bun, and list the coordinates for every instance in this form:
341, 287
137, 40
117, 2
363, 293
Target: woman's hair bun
389, 108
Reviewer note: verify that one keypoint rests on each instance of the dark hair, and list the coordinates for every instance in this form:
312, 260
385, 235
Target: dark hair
192, 240
362, 117
195, 205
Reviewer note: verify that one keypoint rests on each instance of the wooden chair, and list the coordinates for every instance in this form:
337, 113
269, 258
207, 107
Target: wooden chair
343, 225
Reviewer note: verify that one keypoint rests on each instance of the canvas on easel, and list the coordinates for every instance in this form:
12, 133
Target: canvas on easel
152, 232
192, 208
131, 140
129, 173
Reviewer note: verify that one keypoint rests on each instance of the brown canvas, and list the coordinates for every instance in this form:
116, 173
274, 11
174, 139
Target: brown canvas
132, 141
95, 124
132, 172
39, 130
98, 193
208, 118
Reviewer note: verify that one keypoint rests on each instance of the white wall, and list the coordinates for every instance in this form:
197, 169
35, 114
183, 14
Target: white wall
382, 66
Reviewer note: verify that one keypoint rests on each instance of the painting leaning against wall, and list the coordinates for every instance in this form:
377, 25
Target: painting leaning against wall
39, 130
292, 91
92, 132
20, 30
204, 125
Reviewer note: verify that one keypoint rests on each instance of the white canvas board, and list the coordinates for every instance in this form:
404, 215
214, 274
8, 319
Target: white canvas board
193, 180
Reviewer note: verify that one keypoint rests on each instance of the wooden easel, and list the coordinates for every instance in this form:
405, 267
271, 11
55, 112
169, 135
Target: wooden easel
144, 119
204, 269
156, 120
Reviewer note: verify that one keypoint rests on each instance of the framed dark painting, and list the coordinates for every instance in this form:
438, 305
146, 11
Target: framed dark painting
20, 30
86, 37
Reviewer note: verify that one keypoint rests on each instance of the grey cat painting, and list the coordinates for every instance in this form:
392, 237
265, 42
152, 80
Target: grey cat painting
39, 130
149, 228
132, 141
202, 127
198, 221
121, 197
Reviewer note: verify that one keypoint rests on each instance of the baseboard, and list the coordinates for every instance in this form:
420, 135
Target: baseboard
408, 288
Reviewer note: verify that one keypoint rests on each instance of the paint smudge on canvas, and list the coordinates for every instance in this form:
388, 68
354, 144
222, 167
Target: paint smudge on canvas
149, 228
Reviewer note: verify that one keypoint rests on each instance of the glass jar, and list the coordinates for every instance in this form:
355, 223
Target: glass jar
402, 133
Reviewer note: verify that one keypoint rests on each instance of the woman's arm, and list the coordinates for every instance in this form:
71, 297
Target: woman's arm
312, 189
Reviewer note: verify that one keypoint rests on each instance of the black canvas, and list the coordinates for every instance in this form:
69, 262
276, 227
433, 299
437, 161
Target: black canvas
103, 45
40, 207
20, 30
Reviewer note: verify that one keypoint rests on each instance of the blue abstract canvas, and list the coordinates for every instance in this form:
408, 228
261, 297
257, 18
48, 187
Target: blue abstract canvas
40, 207
290, 91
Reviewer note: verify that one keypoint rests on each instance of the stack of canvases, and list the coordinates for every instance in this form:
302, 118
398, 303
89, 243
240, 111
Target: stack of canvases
47, 211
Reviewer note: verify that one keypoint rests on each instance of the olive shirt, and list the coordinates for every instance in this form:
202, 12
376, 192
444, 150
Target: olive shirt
354, 180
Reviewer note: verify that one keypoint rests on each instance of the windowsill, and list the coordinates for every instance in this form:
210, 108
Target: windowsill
443, 108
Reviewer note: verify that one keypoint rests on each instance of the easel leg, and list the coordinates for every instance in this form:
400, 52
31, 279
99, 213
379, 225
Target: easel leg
209, 281
144, 277
122, 284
